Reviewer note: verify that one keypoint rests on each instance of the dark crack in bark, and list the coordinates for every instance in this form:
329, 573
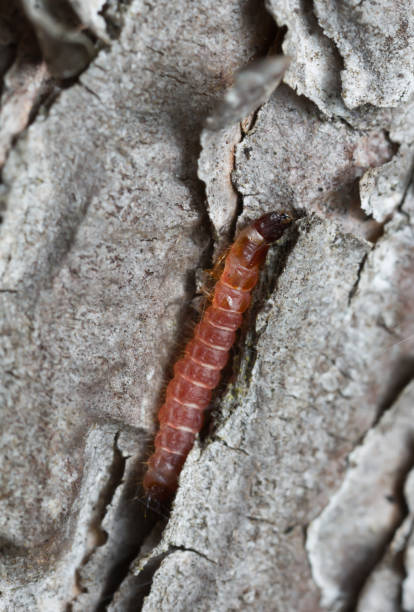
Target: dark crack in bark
362, 571
402, 375
98, 535
355, 575
358, 278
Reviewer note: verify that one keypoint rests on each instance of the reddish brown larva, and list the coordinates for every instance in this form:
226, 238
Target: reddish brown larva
198, 372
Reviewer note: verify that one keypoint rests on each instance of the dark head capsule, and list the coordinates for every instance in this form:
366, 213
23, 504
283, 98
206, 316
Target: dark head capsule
272, 225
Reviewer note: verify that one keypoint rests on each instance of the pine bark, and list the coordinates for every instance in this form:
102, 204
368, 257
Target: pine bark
299, 494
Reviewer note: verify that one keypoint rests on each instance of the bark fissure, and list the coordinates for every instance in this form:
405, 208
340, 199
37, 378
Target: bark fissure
354, 288
97, 533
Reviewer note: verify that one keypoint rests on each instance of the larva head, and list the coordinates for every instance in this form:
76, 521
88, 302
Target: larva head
272, 225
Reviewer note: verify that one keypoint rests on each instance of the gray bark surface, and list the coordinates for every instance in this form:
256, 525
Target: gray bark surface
299, 495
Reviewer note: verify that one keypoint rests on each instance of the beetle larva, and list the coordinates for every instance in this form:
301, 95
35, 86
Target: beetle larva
189, 393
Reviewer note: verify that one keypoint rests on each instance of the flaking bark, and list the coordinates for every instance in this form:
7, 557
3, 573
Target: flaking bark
106, 226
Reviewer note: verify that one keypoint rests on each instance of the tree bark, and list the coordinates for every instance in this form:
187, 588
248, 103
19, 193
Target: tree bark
299, 495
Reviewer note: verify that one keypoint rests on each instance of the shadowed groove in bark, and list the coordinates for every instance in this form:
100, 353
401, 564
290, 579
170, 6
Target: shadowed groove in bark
400, 378
408, 188
358, 278
99, 535
139, 523
399, 567
353, 582
141, 584
363, 571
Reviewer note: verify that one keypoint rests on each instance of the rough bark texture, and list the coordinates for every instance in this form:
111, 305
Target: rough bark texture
299, 496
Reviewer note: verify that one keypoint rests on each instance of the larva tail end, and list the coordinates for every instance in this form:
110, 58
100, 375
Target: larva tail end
272, 225
156, 510
158, 499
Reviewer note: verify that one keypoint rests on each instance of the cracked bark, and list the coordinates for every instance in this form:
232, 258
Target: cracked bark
298, 496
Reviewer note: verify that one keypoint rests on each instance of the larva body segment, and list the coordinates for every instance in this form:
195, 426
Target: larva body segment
198, 373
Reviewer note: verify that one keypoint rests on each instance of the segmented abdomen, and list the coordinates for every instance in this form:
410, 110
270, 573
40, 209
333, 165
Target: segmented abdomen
198, 373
